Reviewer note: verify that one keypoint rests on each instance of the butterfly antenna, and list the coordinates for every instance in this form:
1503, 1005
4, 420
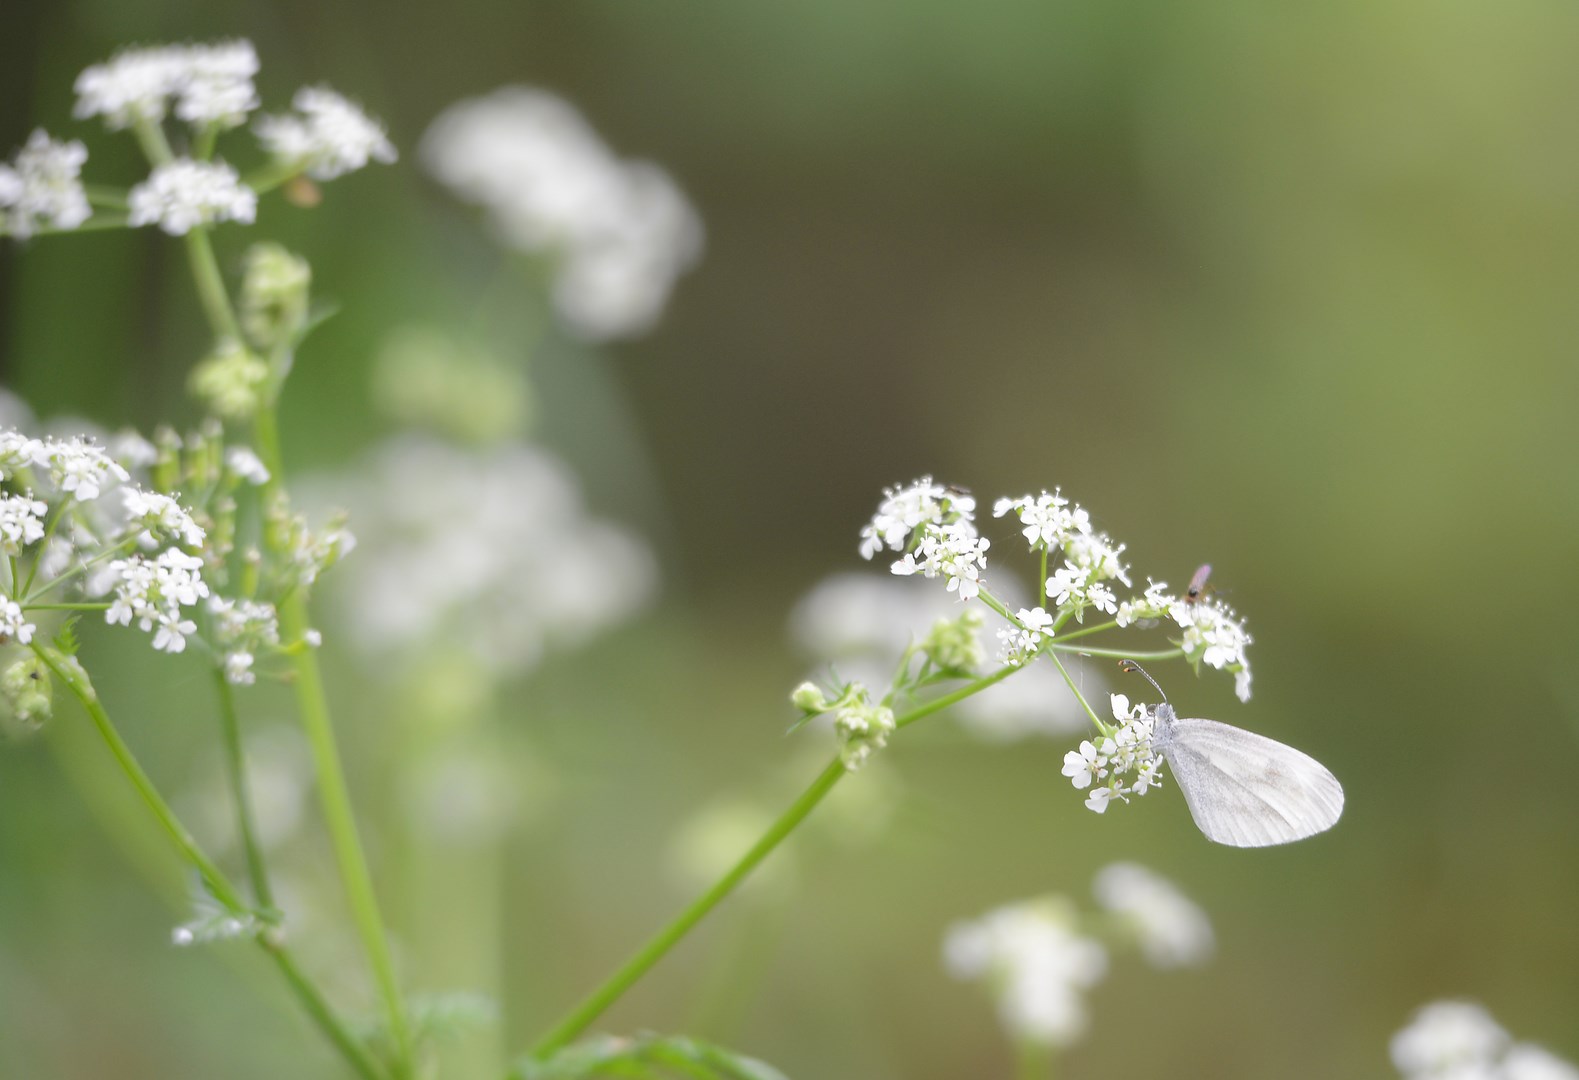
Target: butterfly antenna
1130, 665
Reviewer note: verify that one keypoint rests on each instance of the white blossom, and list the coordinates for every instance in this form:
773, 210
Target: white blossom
17, 452
241, 628
246, 465
162, 518
954, 552
620, 232
13, 627
79, 468
1023, 640
1171, 929
1216, 636
327, 137
21, 522
1049, 520
1447, 1035
183, 194
154, 592
1529, 1062
42, 189
911, 507
1104, 765
1036, 964
209, 84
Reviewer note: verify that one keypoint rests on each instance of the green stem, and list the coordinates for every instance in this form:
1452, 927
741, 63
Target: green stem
659, 944
65, 607
656, 947
211, 286
107, 197
1087, 631
1034, 1061
341, 823
1105, 729
217, 883
151, 137
1041, 581
123, 548
1117, 654
235, 769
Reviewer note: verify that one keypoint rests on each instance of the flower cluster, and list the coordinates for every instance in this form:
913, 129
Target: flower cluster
183, 194
1105, 765
1170, 929
207, 84
935, 527
327, 137
1455, 1040
1051, 522
155, 593
1022, 640
490, 552
1039, 956
863, 727
21, 522
620, 233
1211, 633
41, 187
241, 629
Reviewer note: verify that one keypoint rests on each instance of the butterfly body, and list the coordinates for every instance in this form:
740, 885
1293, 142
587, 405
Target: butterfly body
1244, 789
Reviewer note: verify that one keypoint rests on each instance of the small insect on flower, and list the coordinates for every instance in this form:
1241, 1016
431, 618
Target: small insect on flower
1197, 587
1243, 789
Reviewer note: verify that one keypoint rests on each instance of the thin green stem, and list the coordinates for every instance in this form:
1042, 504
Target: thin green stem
355, 1053
1087, 631
1105, 729
217, 883
341, 823
122, 548
1116, 654
1041, 581
594, 1004
1034, 1061
151, 137
43, 544
656, 947
236, 772
271, 176
211, 286
107, 197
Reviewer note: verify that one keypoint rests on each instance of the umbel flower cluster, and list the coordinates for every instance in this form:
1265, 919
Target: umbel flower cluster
91, 527
1037, 958
1459, 1040
931, 531
207, 90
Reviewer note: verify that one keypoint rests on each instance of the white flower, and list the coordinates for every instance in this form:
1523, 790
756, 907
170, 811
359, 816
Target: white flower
620, 232
1446, 1035
79, 468
330, 137
1036, 964
241, 628
41, 188
906, 509
1527, 1062
862, 727
1128, 752
17, 451
952, 551
1154, 603
13, 627
153, 592
209, 84
183, 194
161, 518
1049, 520
133, 451
21, 522
246, 465
1171, 929
1213, 634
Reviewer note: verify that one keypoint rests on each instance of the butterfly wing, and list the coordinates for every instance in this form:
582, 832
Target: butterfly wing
1247, 790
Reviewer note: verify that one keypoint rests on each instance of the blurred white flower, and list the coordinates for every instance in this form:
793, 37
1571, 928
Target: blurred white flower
490, 551
327, 137
1035, 962
621, 231
21, 522
1458, 1040
183, 194
1171, 929
209, 84
41, 189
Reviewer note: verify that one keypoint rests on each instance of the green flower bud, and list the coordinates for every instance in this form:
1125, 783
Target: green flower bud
955, 644
230, 381
274, 291
28, 692
808, 698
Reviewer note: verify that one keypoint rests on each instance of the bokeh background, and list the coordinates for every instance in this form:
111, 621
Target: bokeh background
1286, 289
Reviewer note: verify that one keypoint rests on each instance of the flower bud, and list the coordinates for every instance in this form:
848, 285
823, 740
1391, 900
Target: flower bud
230, 381
955, 644
28, 691
274, 294
808, 698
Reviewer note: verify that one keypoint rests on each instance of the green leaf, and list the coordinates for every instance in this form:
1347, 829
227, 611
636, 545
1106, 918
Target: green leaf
66, 638
647, 1055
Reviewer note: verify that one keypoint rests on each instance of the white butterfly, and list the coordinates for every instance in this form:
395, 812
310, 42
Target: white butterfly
1244, 789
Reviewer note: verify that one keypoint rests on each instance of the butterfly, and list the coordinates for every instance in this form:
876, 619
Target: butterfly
1244, 789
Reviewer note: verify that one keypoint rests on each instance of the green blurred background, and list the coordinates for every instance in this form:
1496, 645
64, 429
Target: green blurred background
1286, 289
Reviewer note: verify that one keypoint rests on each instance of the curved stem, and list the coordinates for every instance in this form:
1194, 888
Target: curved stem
1105, 729
649, 954
211, 285
218, 885
235, 770
594, 1004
